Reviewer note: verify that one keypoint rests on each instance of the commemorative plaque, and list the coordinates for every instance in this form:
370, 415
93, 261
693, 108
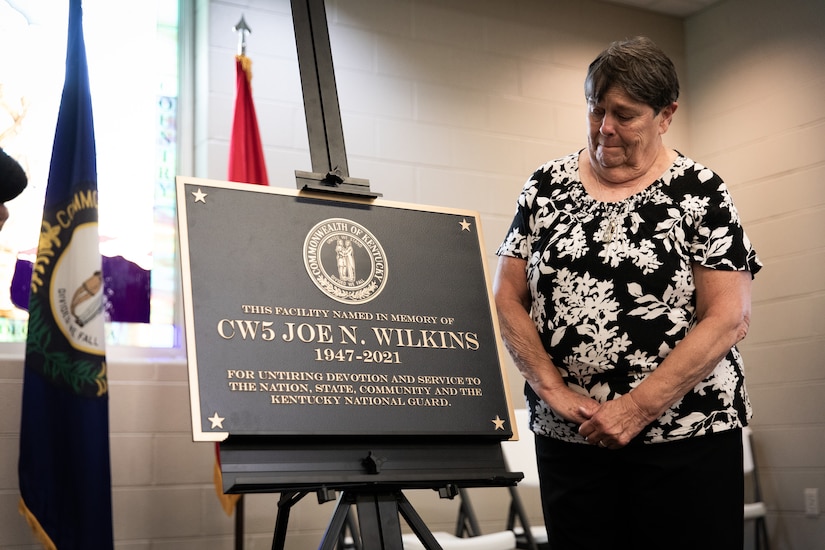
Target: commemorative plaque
313, 315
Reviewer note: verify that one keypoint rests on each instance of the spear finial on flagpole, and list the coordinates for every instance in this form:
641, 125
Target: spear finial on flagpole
242, 29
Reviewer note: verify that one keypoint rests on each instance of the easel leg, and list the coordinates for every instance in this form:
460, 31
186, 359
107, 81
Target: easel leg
285, 504
416, 523
378, 519
336, 524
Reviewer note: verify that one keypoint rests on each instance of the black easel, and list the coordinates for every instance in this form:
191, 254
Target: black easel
370, 474
378, 513
330, 172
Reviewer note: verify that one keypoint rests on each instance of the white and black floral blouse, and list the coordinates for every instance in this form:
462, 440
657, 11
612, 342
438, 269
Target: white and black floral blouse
613, 292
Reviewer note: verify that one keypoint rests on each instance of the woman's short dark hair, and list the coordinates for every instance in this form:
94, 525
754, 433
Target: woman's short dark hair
639, 67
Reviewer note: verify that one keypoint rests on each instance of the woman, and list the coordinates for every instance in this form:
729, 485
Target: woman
622, 288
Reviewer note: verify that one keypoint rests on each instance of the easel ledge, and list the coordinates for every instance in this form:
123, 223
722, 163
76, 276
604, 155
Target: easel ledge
371, 475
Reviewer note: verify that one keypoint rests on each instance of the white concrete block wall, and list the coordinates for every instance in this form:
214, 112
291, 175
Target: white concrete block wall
756, 70
454, 103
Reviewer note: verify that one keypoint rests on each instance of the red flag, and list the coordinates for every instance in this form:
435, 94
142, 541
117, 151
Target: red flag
246, 154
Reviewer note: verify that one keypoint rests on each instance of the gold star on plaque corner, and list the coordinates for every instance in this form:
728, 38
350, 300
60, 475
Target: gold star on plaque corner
199, 195
465, 225
498, 422
217, 421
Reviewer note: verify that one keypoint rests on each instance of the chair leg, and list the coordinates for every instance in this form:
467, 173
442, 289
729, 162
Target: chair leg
517, 511
761, 534
467, 522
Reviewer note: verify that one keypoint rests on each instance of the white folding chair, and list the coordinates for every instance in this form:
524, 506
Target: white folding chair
503, 540
755, 510
521, 457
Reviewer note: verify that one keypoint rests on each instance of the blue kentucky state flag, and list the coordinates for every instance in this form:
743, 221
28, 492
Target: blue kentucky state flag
64, 468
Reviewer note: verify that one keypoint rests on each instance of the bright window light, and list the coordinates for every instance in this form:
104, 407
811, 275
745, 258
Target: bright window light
132, 53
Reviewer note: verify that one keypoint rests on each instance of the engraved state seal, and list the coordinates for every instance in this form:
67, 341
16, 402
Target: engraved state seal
345, 261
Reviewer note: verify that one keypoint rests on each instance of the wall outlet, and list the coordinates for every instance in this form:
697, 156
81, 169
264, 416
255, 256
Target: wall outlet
811, 502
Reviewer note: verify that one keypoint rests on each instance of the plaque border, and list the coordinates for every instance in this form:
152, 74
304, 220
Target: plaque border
186, 282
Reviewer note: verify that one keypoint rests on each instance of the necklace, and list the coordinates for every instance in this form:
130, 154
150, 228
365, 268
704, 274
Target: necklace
613, 216
610, 231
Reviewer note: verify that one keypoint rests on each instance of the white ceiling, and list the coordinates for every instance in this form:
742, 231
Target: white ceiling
679, 8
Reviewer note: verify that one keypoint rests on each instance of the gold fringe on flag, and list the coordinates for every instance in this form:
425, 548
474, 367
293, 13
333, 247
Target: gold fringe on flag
38, 530
246, 65
228, 502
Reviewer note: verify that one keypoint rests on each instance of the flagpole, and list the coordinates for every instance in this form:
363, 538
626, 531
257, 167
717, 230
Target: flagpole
242, 29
